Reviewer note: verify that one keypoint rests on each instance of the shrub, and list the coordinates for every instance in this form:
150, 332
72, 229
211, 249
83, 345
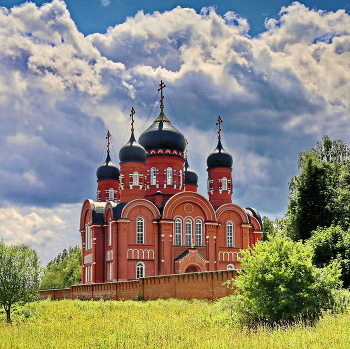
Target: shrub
279, 285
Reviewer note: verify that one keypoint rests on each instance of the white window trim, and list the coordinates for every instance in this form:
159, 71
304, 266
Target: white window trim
140, 270
140, 233
230, 234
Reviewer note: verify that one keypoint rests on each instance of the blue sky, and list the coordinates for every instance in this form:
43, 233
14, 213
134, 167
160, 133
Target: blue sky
277, 72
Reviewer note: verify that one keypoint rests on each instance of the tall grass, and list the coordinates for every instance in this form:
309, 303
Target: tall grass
155, 324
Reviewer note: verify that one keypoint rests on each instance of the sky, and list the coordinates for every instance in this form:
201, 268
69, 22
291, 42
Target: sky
277, 72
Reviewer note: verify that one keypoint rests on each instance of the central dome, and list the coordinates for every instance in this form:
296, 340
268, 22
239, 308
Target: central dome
162, 135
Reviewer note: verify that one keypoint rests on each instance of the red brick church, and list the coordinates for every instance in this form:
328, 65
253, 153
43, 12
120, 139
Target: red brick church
148, 218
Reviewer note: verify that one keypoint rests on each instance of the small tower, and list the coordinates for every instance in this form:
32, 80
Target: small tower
219, 164
108, 178
165, 147
132, 158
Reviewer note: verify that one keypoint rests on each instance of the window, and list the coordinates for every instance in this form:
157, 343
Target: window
230, 267
88, 238
109, 271
198, 232
169, 176
140, 230
178, 232
224, 183
109, 240
229, 234
135, 178
189, 240
110, 194
140, 270
88, 273
153, 176
181, 178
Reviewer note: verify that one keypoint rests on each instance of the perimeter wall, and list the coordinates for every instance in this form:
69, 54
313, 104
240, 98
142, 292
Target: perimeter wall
206, 285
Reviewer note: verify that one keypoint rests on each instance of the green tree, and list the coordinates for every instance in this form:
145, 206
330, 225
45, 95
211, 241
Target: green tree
19, 276
319, 195
278, 284
332, 243
63, 271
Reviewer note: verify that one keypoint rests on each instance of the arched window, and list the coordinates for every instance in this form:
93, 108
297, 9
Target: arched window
178, 231
140, 270
189, 240
110, 194
229, 234
109, 239
88, 238
153, 175
230, 267
135, 178
198, 232
169, 176
224, 183
140, 230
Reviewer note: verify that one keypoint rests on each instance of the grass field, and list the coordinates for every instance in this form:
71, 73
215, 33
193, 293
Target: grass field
155, 324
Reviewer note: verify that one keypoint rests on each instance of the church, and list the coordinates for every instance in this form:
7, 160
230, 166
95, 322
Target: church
148, 218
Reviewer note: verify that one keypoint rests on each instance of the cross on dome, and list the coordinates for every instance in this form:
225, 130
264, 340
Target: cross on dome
132, 113
219, 124
161, 86
108, 142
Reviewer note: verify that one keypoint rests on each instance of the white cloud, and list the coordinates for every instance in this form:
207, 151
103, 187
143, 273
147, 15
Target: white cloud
105, 2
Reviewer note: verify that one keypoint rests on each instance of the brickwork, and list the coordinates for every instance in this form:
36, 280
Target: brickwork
206, 285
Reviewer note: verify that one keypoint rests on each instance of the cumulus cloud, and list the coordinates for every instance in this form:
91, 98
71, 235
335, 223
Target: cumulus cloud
60, 91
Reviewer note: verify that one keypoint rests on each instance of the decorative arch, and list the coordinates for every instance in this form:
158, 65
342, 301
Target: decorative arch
136, 204
193, 198
235, 208
255, 223
86, 212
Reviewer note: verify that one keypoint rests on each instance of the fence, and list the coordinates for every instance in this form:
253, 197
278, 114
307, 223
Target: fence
206, 285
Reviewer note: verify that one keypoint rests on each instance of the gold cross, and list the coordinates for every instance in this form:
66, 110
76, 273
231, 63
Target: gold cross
132, 118
219, 123
161, 86
108, 143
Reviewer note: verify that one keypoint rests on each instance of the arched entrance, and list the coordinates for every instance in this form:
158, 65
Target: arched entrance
192, 269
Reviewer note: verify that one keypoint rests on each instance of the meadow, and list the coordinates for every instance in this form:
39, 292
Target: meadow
155, 324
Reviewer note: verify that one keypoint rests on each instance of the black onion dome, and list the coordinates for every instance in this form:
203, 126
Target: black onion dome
108, 170
162, 135
191, 177
132, 151
219, 158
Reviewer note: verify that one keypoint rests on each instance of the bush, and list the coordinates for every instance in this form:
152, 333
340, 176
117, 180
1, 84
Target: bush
279, 285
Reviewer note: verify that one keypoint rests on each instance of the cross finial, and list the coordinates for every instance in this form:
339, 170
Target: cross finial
186, 150
108, 142
132, 113
161, 86
219, 124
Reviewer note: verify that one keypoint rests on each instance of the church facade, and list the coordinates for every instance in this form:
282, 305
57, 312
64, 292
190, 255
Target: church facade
148, 218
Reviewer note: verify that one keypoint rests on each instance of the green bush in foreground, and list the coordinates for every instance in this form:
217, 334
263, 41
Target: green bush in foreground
279, 284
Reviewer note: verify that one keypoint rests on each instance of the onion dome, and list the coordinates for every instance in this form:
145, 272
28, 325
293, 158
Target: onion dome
191, 177
108, 170
162, 135
219, 158
132, 151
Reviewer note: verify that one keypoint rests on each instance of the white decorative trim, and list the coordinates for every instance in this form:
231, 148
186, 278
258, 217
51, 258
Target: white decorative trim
135, 253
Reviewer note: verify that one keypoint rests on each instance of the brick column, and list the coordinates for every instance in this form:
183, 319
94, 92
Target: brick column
246, 235
122, 250
210, 235
165, 255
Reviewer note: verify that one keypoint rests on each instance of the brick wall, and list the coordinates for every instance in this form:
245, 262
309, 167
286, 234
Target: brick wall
206, 285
